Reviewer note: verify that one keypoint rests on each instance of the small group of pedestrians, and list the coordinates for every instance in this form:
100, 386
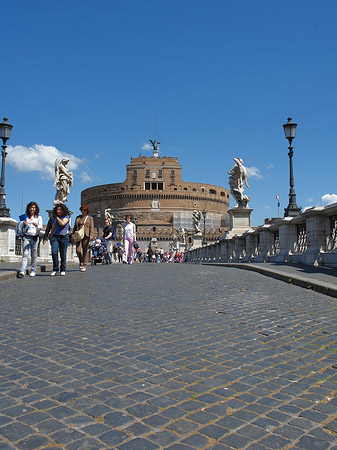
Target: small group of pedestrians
58, 232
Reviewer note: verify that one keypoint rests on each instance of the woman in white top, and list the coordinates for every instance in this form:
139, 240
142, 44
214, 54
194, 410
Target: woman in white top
33, 225
129, 240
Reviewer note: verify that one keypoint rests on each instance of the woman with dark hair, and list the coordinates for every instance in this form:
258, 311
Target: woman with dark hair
33, 225
86, 221
59, 238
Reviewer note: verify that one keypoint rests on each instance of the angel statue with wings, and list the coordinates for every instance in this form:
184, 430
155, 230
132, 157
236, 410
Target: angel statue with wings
239, 177
63, 180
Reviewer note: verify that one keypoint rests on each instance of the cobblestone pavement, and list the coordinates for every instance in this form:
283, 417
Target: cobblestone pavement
166, 356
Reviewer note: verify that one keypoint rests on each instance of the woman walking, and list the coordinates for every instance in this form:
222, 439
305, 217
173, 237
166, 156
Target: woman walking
33, 225
86, 221
59, 238
129, 240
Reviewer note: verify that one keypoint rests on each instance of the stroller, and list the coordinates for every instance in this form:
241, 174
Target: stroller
99, 252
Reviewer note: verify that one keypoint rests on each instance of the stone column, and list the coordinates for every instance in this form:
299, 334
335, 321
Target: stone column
288, 237
7, 240
240, 248
316, 235
266, 242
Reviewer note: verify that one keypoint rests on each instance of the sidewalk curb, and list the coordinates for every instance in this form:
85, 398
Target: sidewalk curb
307, 283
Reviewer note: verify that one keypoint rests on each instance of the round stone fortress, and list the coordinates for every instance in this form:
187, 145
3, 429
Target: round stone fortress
160, 202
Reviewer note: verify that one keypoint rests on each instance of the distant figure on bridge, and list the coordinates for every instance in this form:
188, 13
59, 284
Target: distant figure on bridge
238, 176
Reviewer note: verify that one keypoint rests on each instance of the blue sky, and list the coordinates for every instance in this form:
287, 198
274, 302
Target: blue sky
86, 78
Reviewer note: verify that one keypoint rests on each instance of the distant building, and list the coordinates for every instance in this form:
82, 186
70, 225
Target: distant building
160, 202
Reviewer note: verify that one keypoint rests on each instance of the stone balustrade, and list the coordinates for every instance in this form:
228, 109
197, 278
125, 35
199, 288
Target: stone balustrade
310, 238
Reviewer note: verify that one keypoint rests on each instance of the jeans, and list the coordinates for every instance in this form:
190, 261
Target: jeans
32, 244
59, 243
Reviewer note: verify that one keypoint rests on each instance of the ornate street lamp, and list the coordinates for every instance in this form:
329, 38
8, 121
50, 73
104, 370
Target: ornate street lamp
98, 221
292, 208
204, 213
5, 132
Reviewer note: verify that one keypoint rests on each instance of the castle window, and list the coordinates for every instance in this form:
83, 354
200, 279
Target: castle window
222, 194
147, 174
212, 191
154, 229
147, 186
154, 186
135, 173
160, 186
172, 173
172, 181
160, 173
202, 189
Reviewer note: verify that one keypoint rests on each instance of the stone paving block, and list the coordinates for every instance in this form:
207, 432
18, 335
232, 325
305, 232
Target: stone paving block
33, 442
173, 412
163, 438
275, 442
182, 427
138, 429
15, 431
252, 432
323, 435
196, 441
66, 436
113, 437
138, 444
84, 444
213, 431
49, 426
95, 429
117, 419
235, 440
156, 421
309, 442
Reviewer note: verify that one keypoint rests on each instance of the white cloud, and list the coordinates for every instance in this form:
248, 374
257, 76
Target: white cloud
146, 146
254, 172
270, 166
85, 177
311, 200
267, 206
39, 158
328, 199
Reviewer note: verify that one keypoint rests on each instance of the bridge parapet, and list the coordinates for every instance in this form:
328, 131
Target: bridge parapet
309, 238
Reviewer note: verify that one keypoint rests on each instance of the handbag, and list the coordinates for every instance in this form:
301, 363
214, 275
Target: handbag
78, 235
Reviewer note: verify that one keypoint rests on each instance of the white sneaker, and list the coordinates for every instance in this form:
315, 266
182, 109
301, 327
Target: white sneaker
83, 269
32, 274
62, 274
53, 274
21, 275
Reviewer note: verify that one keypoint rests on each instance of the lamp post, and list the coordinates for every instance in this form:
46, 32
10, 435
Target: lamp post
292, 208
98, 221
204, 214
5, 132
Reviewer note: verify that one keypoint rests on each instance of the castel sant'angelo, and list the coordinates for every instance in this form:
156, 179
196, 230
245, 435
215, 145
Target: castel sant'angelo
160, 202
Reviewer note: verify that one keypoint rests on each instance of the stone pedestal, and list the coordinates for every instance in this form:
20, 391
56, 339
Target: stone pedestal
182, 247
197, 240
7, 240
239, 221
